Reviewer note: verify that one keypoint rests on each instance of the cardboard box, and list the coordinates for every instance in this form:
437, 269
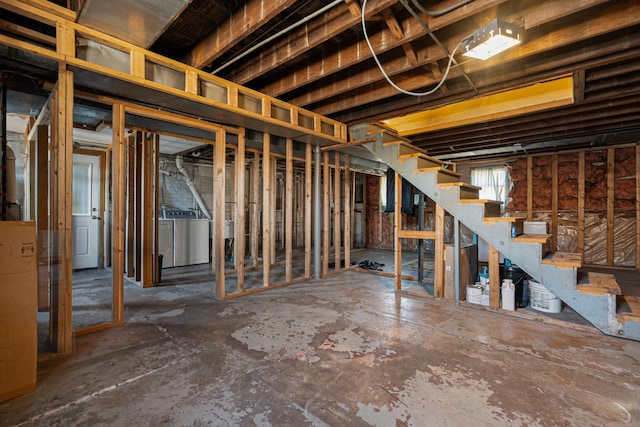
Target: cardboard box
468, 267
18, 309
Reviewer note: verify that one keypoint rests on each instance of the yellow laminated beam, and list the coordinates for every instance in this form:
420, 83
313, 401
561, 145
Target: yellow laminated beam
537, 97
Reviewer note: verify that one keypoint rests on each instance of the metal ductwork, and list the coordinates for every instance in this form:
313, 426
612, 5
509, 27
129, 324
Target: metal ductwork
140, 22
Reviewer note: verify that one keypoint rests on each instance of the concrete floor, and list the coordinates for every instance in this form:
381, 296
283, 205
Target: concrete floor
344, 350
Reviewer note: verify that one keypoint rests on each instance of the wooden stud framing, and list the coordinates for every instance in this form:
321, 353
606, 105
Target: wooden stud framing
337, 207
494, 277
438, 276
397, 226
219, 170
267, 210
554, 202
581, 190
62, 167
308, 194
638, 206
288, 217
611, 163
347, 211
119, 212
254, 212
239, 225
529, 188
326, 209
272, 213
42, 214
138, 211
30, 167
131, 203
147, 246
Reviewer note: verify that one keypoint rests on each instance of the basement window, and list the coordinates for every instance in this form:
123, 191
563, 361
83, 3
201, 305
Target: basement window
493, 181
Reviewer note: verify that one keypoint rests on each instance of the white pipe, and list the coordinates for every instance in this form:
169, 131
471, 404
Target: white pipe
192, 187
278, 34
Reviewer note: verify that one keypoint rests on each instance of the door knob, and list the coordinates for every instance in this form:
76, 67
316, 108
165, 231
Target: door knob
95, 217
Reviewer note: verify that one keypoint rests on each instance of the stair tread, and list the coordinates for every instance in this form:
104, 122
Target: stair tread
504, 219
532, 238
439, 169
459, 184
421, 155
563, 259
633, 305
599, 284
482, 201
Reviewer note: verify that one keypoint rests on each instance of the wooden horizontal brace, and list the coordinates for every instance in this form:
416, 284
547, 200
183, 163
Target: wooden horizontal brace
348, 144
417, 234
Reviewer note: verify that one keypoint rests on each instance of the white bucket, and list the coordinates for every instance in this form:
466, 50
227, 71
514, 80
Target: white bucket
543, 299
474, 294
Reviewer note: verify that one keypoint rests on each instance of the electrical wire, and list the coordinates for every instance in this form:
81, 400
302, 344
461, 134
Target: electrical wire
384, 73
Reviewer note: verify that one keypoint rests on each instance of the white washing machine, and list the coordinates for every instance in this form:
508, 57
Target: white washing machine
190, 241
165, 242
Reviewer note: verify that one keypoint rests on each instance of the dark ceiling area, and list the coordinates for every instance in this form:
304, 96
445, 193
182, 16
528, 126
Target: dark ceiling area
314, 54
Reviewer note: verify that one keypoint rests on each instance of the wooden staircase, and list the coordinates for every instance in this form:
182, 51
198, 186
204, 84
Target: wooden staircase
597, 297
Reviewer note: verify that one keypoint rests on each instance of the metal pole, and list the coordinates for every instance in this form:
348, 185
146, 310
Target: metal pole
317, 214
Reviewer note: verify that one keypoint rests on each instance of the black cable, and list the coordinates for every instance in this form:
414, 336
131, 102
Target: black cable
435, 39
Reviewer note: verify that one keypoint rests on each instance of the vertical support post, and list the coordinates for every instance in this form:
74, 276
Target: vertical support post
119, 211
554, 202
267, 210
219, 165
325, 215
42, 214
438, 276
317, 213
494, 277
420, 241
155, 215
581, 188
611, 185
254, 213
347, 210
397, 225
337, 207
637, 206
308, 179
138, 211
62, 166
239, 226
148, 201
529, 188
131, 204
274, 208
288, 210
30, 166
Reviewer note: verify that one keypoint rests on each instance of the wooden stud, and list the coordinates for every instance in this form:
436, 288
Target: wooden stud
148, 211
42, 214
326, 209
119, 211
131, 203
337, 207
273, 215
29, 175
254, 213
155, 214
267, 210
347, 210
529, 188
611, 163
137, 64
638, 206
239, 221
438, 276
581, 189
308, 194
397, 226
554, 202
219, 202
494, 277
138, 211
288, 213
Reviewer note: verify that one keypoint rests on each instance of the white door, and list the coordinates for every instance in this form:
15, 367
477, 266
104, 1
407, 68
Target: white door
86, 212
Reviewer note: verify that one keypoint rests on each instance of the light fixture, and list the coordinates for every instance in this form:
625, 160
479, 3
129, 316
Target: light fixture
495, 37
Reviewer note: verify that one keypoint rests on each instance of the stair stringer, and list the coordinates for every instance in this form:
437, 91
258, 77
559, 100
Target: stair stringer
600, 310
